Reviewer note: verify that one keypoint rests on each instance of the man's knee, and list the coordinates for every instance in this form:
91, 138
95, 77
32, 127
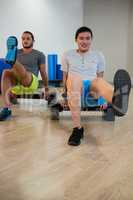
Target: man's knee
96, 83
7, 72
27, 80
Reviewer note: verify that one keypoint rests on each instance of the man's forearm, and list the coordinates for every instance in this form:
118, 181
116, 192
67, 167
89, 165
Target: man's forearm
44, 79
64, 79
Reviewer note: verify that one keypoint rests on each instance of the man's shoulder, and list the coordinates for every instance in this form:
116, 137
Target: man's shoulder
70, 52
96, 53
35, 51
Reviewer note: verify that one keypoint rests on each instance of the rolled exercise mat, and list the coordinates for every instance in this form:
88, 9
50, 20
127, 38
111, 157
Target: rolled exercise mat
52, 62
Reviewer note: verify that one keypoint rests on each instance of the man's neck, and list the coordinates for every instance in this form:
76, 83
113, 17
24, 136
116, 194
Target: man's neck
82, 52
25, 50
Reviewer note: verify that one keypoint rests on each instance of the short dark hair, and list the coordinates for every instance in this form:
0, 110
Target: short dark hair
31, 34
83, 29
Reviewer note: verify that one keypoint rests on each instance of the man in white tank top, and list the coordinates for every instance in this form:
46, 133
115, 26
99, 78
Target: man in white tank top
84, 64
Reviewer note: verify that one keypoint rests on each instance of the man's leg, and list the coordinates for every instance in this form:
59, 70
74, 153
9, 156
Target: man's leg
18, 72
102, 88
22, 74
117, 95
9, 78
7, 82
74, 86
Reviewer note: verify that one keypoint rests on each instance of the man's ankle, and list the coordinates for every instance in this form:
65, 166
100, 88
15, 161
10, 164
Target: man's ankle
79, 127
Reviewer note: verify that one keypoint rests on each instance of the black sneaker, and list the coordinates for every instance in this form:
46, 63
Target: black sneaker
122, 87
76, 136
5, 113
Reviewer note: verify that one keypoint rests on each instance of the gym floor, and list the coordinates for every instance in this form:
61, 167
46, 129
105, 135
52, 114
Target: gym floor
37, 164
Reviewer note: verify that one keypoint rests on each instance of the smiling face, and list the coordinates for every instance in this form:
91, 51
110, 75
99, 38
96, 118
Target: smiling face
84, 40
27, 41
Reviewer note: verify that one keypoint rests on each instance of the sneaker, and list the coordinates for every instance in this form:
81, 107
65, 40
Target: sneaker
55, 110
76, 136
5, 113
54, 113
122, 87
52, 98
11, 55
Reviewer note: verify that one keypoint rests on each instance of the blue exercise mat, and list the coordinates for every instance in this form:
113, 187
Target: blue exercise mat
87, 100
52, 62
3, 66
59, 72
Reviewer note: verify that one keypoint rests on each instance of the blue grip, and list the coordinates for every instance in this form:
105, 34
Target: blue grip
101, 101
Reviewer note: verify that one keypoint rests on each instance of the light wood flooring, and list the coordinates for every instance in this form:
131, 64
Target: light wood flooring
37, 164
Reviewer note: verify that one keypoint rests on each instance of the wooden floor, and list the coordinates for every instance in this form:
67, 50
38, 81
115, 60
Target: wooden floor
37, 164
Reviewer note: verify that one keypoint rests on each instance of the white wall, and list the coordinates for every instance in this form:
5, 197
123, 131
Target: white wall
53, 22
109, 21
130, 41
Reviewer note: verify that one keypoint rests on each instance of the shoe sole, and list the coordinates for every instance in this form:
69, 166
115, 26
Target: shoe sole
72, 143
12, 44
8, 117
75, 144
122, 87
